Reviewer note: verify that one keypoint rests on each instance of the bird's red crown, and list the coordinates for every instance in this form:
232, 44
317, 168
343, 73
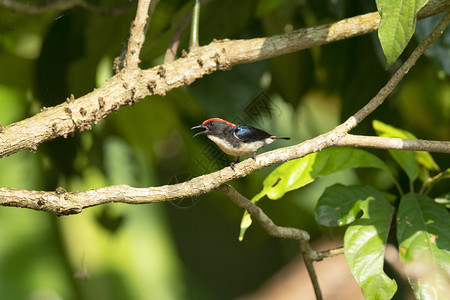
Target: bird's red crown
219, 120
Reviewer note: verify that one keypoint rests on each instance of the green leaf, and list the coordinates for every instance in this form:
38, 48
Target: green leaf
365, 239
299, 172
397, 25
339, 205
424, 245
409, 161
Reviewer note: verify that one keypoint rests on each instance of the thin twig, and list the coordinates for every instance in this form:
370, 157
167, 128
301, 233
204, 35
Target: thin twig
137, 34
331, 253
301, 236
428, 185
264, 220
397, 77
311, 271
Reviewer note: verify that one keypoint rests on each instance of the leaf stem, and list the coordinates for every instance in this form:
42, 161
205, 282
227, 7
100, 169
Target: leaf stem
195, 24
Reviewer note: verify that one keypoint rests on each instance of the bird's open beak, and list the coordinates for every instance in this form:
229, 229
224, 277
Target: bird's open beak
201, 132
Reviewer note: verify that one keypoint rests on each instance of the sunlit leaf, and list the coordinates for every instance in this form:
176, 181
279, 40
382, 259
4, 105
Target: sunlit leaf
424, 245
365, 238
409, 161
300, 172
397, 25
297, 173
340, 205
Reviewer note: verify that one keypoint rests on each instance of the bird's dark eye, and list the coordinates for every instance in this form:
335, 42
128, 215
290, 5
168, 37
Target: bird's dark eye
211, 123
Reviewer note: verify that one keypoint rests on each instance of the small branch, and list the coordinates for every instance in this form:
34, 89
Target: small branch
35, 9
302, 236
138, 32
396, 78
258, 214
377, 142
330, 253
431, 182
311, 271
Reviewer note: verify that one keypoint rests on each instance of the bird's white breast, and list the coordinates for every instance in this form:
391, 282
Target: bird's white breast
243, 149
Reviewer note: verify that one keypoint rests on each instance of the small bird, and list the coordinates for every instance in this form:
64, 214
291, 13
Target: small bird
236, 140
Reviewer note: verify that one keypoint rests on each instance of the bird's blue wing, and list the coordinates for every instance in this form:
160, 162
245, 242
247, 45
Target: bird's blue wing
249, 134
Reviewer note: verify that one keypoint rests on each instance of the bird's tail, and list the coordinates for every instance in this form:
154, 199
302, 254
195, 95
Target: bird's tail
280, 138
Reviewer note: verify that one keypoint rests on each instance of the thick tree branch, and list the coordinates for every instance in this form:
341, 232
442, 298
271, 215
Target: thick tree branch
393, 143
61, 202
60, 5
127, 87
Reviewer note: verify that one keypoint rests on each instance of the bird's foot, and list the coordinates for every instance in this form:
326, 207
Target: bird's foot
238, 159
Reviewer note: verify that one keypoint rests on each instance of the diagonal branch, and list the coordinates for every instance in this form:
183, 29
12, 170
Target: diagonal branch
128, 87
302, 236
137, 33
309, 255
264, 220
61, 202
396, 78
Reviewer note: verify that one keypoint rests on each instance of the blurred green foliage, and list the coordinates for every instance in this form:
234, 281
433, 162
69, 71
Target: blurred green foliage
187, 250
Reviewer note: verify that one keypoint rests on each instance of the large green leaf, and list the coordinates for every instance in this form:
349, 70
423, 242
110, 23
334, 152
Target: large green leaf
397, 25
299, 172
409, 161
339, 205
424, 245
365, 239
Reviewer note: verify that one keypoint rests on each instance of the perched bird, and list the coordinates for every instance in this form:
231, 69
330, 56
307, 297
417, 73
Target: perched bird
236, 140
